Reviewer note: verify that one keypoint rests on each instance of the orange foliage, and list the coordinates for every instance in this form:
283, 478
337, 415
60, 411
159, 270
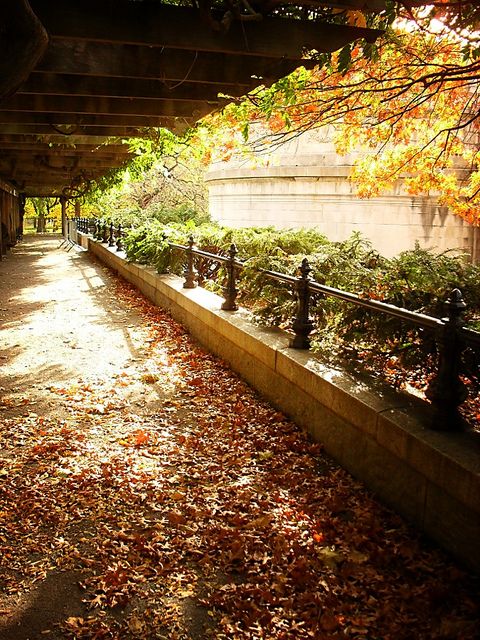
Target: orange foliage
411, 113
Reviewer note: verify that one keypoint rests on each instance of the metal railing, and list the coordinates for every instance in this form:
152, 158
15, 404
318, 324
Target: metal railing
101, 230
446, 390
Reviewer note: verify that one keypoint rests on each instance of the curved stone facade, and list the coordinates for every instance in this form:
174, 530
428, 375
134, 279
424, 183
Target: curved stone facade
306, 185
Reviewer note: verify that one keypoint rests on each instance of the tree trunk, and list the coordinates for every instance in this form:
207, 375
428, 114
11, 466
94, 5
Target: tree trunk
41, 224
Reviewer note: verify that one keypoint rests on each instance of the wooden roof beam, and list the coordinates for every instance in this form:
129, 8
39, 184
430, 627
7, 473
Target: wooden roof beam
159, 25
43, 168
61, 148
57, 84
54, 175
27, 156
87, 132
114, 122
106, 106
23, 42
26, 140
173, 67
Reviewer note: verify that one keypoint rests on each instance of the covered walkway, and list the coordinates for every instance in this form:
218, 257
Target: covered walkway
147, 492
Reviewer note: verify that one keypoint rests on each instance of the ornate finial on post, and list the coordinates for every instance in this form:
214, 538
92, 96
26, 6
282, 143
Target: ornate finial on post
455, 307
302, 325
104, 232
111, 235
446, 389
189, 271
229, 290
119, 237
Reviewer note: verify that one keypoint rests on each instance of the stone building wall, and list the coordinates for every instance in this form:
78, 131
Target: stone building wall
306, 185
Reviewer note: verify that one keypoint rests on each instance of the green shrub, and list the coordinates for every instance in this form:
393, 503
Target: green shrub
148, 244
418, 280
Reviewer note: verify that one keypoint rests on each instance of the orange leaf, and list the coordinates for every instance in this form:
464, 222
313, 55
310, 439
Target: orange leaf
174, 517
328, 622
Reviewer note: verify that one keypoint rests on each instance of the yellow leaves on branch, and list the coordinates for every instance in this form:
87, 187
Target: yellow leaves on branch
410, 113
410, 118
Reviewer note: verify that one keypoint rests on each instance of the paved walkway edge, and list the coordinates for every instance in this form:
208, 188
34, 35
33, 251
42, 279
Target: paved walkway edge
431, 478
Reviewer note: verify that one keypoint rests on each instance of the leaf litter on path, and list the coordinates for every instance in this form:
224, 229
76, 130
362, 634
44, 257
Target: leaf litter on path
205, 514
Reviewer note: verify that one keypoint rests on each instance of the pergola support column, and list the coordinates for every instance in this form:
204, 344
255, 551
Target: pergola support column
63, 203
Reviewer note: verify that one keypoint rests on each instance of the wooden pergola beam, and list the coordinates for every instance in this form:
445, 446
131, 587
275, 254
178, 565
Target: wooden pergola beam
172, 66
96, 132
154, 24
20, 140
90, 105
58, 84
114, 122
58, 148
27, 157
23, 42
55, 175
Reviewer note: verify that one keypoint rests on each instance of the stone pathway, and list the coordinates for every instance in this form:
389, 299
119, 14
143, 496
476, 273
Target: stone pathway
146, 492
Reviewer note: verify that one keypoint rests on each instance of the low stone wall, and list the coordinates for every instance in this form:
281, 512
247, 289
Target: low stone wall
431, 478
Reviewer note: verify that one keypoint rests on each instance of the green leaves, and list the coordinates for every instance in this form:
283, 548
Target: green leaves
344, 58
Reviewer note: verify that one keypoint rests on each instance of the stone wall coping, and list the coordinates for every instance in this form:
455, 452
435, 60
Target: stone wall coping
290, 171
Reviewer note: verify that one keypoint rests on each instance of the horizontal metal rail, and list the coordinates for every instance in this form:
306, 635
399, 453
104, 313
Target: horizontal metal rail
471, 337
280, 277
414, 317
206, 254
446, 389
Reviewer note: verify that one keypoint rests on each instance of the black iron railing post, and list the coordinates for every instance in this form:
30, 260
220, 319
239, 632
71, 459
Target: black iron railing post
229, 290
119, 237
111, 235
302, 324
104, 232
446, 389
189, 272
97, 234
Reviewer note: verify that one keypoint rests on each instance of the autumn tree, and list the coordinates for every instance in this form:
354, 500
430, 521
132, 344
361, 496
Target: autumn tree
42, 209
409, 105
164, 181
